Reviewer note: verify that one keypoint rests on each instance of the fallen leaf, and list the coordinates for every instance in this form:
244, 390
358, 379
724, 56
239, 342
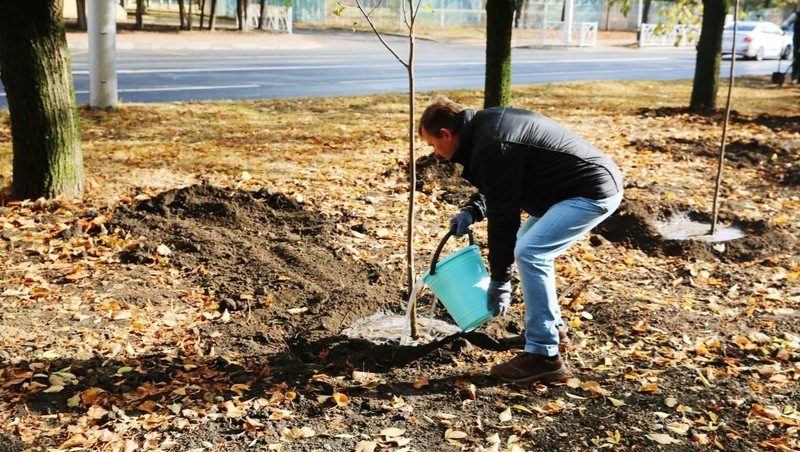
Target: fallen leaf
366, 446
392, 432
454, 434
340, 399
505, 416
662, 438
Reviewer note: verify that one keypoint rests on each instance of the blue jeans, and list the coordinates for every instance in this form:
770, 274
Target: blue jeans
539, 241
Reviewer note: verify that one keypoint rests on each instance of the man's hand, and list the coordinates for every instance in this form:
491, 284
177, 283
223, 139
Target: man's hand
499, 297
460, 223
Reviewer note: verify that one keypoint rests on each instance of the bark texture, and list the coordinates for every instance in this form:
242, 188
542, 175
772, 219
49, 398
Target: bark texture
499, 22
35, 71
709, 55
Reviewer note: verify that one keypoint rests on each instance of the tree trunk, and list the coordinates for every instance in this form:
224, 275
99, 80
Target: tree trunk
139, 13
212, 15
202, 13
499, 21
709, 48
646, 11
35, 71
81, 7
182, 14
241, 14
262, 18
189, 16
796, 47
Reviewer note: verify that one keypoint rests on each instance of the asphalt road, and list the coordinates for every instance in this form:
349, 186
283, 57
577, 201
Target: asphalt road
357, 64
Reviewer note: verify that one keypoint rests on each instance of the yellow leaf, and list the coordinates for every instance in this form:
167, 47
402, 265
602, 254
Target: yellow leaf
662, 438
454, 434
678, 428
366, 446
616, 402
393, 432
340, 399
781, 219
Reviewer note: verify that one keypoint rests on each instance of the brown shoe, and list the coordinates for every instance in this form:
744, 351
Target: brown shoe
530, 367
518, 341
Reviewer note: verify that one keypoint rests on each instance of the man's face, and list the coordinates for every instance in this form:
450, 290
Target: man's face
445, 145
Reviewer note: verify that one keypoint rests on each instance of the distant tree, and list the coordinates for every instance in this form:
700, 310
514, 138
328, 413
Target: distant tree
262, 17
709, 55
202, 13
182, 14
81, 7
35, 71
499, 22
212, 15
241, 15
139, 15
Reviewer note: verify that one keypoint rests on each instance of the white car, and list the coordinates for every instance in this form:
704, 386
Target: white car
757, 40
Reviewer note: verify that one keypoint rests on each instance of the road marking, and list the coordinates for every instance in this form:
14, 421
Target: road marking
356, 66
178, 88
423, 79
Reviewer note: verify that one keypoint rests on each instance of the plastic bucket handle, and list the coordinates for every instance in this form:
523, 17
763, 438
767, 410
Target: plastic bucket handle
438, 251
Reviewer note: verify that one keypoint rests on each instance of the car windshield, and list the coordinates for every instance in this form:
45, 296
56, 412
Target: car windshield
740, 27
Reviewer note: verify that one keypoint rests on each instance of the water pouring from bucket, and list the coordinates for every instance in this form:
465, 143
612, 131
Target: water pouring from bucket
460, 282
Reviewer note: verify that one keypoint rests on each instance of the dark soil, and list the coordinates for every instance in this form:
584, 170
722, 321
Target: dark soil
631, 225
245, 247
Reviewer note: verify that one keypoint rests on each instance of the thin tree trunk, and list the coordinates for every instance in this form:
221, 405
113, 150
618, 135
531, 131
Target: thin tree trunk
262, 18
35, 71
499, 21
189, 16
81, 6
202, 13
646, 11
212, 15
709, 48
182, 13
796, 47
139, 15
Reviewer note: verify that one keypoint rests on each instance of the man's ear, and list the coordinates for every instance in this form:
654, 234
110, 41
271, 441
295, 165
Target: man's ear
446, 133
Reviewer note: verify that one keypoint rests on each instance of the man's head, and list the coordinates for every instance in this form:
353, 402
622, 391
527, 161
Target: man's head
439, 125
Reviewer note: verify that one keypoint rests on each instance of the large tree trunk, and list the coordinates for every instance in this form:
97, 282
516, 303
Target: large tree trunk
646, 11
35, 71
709, 55
212, 15
499, 20
139, 15
81, 7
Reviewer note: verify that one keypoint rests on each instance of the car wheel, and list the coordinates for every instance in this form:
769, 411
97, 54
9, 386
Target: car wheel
787, 52
759, 54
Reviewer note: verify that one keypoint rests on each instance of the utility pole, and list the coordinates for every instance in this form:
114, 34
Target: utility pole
102, 30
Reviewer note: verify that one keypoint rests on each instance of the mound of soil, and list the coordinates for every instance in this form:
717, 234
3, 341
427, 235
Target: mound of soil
433, 171
632, 225
264, 252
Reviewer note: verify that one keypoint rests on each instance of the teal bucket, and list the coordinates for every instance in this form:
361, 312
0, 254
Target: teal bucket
460, 282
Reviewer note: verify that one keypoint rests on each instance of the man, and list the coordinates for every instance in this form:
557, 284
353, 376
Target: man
523, 161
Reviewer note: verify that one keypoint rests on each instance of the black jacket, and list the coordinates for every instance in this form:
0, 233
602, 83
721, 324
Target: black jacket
520, 160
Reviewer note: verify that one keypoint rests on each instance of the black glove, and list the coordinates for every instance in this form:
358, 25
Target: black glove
499, 297
460, 223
